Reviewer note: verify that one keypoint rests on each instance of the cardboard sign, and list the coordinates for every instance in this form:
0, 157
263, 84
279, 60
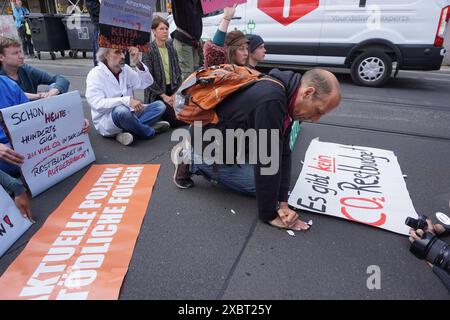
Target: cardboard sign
121, 38
126, 23
7, 27
215, 5
84, 248
48, 134
12, 224
360, 184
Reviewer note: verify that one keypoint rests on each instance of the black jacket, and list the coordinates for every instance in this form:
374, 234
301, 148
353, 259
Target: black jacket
264, 106
93, 7
187, 15
154, 63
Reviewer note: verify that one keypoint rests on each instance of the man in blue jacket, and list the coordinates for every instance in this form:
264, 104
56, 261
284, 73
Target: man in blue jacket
10, 95
12, 65
19, 15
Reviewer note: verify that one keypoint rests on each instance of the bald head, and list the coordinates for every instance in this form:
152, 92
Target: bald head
324, 82
319, 94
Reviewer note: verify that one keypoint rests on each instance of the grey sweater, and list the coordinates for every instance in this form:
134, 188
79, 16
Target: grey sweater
154, 63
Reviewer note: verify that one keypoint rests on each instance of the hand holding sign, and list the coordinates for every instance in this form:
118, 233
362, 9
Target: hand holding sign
134, 55
51, 93
9, 155
229, 12
86, 126
135, 58
23, 204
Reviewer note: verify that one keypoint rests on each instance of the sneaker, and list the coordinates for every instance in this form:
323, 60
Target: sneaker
125, 138
182, 175
161, 126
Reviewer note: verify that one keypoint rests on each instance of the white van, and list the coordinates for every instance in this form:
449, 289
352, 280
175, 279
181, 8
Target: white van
366, 36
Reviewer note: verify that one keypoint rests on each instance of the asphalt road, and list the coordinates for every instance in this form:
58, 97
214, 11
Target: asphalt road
192, 247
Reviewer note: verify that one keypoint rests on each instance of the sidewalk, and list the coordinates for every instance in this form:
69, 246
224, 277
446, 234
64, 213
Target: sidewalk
63, 61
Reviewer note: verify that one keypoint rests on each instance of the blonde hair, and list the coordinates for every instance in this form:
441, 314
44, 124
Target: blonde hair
6, 42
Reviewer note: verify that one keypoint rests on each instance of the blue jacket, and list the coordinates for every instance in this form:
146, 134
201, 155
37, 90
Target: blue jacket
19, 16
10, 95
30, 78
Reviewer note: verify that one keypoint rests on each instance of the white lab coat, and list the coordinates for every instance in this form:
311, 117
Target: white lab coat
104, 93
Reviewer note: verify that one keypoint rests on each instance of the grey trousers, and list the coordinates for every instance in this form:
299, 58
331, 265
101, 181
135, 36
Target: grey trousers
188, 57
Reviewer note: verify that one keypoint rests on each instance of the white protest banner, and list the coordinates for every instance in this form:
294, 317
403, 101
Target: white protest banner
12, 223
47, 133
126, 23
360, 184
7, 27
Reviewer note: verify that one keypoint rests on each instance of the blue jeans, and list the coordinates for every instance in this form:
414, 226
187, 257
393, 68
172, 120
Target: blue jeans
10, 169
240, 178
139, 124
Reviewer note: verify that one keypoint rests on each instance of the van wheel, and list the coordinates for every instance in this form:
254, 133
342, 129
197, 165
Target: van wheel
371, 68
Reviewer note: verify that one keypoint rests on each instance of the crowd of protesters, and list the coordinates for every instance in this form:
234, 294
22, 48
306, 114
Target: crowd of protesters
278, 105
116, 113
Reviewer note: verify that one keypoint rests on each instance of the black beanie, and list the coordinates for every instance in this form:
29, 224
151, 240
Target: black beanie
255, 42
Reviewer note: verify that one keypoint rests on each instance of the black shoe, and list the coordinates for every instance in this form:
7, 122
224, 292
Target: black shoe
161, 126
182, 175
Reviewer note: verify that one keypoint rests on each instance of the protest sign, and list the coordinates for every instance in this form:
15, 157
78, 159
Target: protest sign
360, 184
7, 27
124, 24
84, 248
12, 223
47, 133
215, 5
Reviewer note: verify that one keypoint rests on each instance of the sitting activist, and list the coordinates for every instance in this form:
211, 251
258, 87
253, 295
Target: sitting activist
12, 65
226, 47
109, 92
271, 105
162, 61
256, 50
11, 95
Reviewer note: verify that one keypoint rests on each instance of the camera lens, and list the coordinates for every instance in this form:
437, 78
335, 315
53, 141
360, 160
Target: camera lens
438, 253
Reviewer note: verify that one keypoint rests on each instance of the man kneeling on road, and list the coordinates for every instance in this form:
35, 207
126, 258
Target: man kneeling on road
109, 92
266, 108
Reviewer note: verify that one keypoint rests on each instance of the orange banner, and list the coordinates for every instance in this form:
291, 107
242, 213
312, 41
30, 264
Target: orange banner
84, 248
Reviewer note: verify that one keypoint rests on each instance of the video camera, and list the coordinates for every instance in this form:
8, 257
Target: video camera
429, 247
